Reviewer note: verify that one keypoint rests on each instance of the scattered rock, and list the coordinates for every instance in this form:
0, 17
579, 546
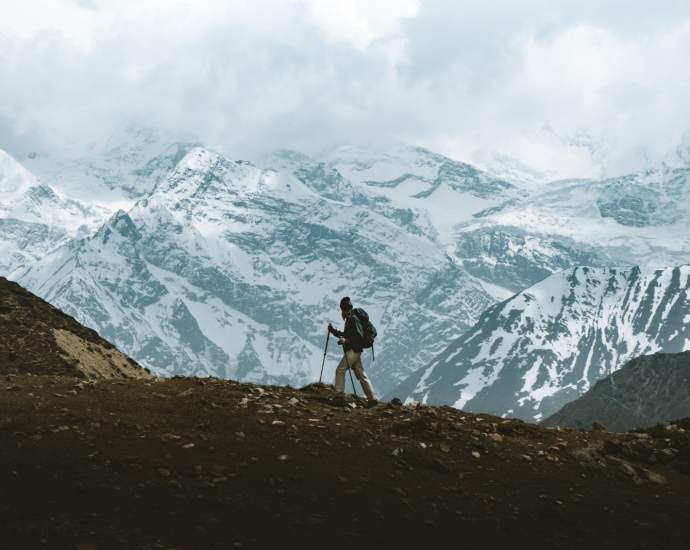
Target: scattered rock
591, 456
644, 447
628, 470
655, 478
613, 446
664, 456
598, 427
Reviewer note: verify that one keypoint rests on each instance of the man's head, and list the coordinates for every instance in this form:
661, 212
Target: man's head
345, 306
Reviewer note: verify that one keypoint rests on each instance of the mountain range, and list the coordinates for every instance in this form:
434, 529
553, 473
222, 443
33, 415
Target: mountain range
193, 263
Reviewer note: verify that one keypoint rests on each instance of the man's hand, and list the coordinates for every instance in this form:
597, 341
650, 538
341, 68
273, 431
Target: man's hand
330, 328
341, 341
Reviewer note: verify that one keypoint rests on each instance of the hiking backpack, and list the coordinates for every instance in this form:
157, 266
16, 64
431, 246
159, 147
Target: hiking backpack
368, 329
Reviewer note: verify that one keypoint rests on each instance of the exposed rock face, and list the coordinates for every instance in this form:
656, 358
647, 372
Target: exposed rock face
517, 261
36, 338
533, 353
647, 390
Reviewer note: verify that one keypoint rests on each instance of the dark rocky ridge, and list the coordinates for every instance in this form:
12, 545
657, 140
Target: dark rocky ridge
645, 391
39, 339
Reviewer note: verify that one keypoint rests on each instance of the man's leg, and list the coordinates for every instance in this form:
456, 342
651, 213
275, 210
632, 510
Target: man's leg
340, 371
355, 359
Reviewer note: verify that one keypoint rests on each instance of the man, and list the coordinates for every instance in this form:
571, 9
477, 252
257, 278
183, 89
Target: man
351, 339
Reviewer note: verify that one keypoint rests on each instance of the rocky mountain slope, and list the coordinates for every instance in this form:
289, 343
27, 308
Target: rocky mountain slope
531, 354
189, 463
234, 271
38, 339
648, 390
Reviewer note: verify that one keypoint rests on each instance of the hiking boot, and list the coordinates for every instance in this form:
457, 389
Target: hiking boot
372, 403
338, 401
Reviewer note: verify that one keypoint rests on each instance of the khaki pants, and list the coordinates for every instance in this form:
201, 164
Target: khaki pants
354, 358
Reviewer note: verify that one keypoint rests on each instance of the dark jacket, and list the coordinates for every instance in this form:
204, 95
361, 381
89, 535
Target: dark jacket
353, 334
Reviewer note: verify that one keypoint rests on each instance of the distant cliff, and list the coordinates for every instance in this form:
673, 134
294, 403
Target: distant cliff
645, 391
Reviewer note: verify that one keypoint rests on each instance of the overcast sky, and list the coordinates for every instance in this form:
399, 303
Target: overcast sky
452, 75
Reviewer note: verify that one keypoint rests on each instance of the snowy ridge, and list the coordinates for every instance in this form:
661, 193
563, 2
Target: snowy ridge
531, 354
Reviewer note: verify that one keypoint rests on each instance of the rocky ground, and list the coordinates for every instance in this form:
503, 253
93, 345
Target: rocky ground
193, 464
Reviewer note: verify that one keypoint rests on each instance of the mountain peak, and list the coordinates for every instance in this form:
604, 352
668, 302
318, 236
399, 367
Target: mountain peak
14, 178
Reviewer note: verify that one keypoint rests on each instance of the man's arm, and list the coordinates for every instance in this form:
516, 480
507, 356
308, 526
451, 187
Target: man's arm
334, 331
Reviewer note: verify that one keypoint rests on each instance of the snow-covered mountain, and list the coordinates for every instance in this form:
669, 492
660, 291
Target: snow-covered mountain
113, 169
639, 219
231, 270
451, 192
36, 218
528, 356
194, 263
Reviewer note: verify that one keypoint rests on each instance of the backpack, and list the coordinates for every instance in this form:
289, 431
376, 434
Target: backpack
368, 329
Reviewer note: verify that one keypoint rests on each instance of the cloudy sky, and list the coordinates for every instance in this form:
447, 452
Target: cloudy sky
457, 76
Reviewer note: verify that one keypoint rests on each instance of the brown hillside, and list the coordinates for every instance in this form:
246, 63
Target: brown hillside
196, 464
39, 339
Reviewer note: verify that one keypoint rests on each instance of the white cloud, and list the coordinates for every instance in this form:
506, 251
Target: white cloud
452, 75
361, 22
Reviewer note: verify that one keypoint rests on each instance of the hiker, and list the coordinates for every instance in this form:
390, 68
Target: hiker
352, 339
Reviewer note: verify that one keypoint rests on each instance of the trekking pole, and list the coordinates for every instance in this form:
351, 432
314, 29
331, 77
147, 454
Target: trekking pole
349, 368
324, 356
